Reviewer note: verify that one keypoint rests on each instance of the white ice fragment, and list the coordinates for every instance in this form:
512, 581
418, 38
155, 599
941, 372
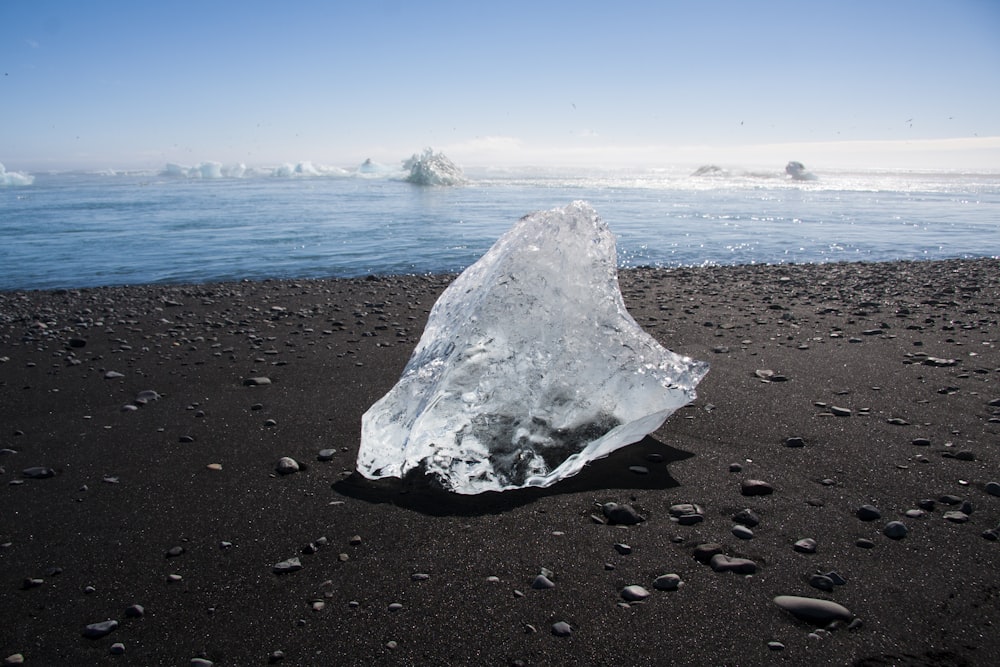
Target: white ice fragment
529, 367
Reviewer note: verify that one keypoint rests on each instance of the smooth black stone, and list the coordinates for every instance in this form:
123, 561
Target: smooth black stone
98, 630
747, 517
703, 552
868, 513
755, 487
624, 515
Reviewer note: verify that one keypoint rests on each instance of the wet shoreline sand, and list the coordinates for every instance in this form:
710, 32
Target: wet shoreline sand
884, 373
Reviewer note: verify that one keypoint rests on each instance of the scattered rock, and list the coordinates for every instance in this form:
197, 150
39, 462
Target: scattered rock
38, 472
724, 563
98, 630
868, 513
256, 381
895, 530
287, 465
624, 515
806, 545
747, 518
667, 582
634, 593
755, 487
703, 553
286, 566
813, 609
562, 629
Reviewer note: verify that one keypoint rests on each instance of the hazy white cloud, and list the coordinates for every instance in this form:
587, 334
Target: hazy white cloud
969, 153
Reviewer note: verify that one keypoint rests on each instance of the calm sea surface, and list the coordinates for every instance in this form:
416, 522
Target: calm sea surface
83, 230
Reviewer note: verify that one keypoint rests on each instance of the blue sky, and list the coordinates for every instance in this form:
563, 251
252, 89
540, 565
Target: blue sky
138, 84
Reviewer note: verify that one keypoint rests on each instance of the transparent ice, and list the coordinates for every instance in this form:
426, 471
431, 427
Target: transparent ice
529, 367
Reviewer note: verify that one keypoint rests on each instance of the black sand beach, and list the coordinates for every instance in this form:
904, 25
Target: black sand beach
839, 385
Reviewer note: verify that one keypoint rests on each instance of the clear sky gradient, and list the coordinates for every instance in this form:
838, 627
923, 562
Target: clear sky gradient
877, 84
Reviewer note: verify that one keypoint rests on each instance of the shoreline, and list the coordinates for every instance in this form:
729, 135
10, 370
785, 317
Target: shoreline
133, 514
451, 275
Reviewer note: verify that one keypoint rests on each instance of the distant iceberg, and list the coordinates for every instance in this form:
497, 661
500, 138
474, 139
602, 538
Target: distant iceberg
798, 172
204, 170
14, 177
432, 168
710, 170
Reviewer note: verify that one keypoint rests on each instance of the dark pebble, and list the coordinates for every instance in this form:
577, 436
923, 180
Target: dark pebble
562, 629
822, 582
98, 630
667, 582
286, 566
895, 530
795, 442
868, 513
747, 517
624, 515
806, 545
703, 553
38, 472
742, 532
724, 563
864, 543
921, 442
813, 609
623, 549
993, 488
755, 487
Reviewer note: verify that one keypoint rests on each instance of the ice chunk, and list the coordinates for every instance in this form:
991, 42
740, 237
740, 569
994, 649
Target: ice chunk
432, 168
529, 367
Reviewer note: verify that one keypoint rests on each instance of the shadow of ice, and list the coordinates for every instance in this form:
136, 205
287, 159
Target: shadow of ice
420, 493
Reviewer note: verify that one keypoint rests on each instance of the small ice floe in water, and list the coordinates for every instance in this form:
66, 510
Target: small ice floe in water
529, 367
798, 172
14, 177
430, 168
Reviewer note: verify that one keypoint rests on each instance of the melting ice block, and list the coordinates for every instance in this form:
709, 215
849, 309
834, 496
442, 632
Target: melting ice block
529, 367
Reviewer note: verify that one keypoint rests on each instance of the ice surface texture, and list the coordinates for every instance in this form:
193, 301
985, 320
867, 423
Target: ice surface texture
529, 367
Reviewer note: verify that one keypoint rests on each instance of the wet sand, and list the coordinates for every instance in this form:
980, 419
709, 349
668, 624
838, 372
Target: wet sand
885, 372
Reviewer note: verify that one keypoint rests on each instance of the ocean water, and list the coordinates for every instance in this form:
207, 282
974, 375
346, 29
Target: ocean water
206, 224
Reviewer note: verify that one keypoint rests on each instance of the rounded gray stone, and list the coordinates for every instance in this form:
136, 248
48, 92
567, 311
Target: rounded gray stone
634, 593
667, 582
562, 629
